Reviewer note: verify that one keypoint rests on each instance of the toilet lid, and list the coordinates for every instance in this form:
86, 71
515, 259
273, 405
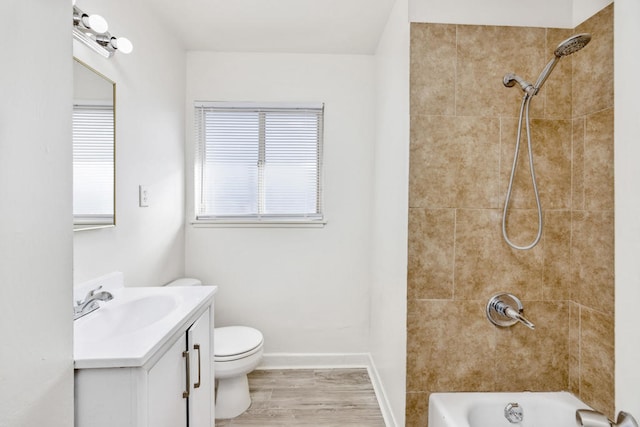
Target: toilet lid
234, 340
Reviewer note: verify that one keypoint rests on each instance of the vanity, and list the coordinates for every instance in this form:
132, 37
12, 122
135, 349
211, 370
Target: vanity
143, 359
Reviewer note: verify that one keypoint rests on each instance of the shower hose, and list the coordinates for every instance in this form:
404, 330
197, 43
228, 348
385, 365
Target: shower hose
524, 111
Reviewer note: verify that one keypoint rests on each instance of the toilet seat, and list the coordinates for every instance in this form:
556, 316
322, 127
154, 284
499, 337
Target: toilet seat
236, 342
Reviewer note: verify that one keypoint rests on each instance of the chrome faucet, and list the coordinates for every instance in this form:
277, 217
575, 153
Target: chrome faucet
589, 418
90, 302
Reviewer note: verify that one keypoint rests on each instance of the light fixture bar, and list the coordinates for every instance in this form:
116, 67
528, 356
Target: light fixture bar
92, 31
92, 43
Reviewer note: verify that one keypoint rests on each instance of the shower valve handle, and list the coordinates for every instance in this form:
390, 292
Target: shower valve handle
506, 310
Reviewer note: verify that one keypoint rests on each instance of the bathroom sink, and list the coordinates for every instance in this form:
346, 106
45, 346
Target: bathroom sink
128, 330
128, 317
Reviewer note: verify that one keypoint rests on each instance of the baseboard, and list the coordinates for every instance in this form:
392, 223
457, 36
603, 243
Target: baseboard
314, 360
333, 360
381, 395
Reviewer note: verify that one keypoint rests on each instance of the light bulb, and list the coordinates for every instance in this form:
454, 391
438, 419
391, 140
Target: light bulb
96, 22
124, 45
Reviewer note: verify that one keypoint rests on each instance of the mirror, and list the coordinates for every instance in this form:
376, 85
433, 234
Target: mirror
93, 149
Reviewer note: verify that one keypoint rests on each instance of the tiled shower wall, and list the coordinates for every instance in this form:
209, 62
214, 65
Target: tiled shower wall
463, 131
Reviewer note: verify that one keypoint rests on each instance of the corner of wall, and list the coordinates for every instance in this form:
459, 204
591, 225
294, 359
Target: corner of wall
584, 9
390, 210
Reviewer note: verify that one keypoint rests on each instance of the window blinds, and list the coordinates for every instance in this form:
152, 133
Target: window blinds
93, 164
259, 162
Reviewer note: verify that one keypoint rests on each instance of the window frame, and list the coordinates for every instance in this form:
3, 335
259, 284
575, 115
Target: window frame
259, 219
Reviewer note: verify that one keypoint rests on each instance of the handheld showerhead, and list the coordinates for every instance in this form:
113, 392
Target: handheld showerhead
572, 45
567, 47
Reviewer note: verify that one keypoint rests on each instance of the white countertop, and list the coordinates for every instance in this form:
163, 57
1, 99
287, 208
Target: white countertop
107, 339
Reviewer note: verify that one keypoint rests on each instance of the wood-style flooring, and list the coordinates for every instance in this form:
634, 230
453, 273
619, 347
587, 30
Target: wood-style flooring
310, 397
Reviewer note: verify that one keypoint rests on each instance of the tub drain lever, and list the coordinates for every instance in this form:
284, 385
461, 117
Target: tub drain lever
513, 413
506, 310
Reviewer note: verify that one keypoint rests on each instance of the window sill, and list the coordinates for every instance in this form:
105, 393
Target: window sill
83, 227
258, 224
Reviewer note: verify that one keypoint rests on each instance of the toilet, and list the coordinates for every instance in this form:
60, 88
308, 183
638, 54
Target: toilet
237, 350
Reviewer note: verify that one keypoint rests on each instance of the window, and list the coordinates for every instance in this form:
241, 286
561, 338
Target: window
93, 165
258, 162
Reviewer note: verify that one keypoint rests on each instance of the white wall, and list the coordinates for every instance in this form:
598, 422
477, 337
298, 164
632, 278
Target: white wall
627, 185
36, 361
524, 13
390, 210
147, 244
585, 9
307, 289
540, 13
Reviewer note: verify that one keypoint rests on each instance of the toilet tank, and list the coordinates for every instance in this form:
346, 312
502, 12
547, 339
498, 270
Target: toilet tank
185, 281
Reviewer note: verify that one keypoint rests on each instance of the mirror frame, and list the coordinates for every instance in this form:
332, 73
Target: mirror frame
87, 225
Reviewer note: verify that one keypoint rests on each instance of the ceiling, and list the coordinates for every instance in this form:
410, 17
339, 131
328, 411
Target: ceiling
288, 26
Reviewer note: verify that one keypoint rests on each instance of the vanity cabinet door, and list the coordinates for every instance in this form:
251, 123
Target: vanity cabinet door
173, 389
200, 395
166, 382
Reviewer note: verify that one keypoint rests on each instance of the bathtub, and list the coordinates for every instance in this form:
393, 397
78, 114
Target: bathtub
537, 409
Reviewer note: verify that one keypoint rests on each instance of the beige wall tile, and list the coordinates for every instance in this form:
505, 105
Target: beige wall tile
556, 265
454, 162
450, 347
592, 259
535, 359
551, 143
417, 413
574, 348
430, 269
433, 69
485, 55
597, 360
431, 181
598, 161
412, 304
593, 66
577, 164
485, 265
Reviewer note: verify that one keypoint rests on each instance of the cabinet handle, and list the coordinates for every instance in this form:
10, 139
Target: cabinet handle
185, 394
197, 347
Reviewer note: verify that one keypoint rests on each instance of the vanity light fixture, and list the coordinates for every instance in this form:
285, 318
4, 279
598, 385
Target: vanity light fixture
92, 31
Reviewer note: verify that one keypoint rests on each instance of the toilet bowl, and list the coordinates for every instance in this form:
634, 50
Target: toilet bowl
237, 350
